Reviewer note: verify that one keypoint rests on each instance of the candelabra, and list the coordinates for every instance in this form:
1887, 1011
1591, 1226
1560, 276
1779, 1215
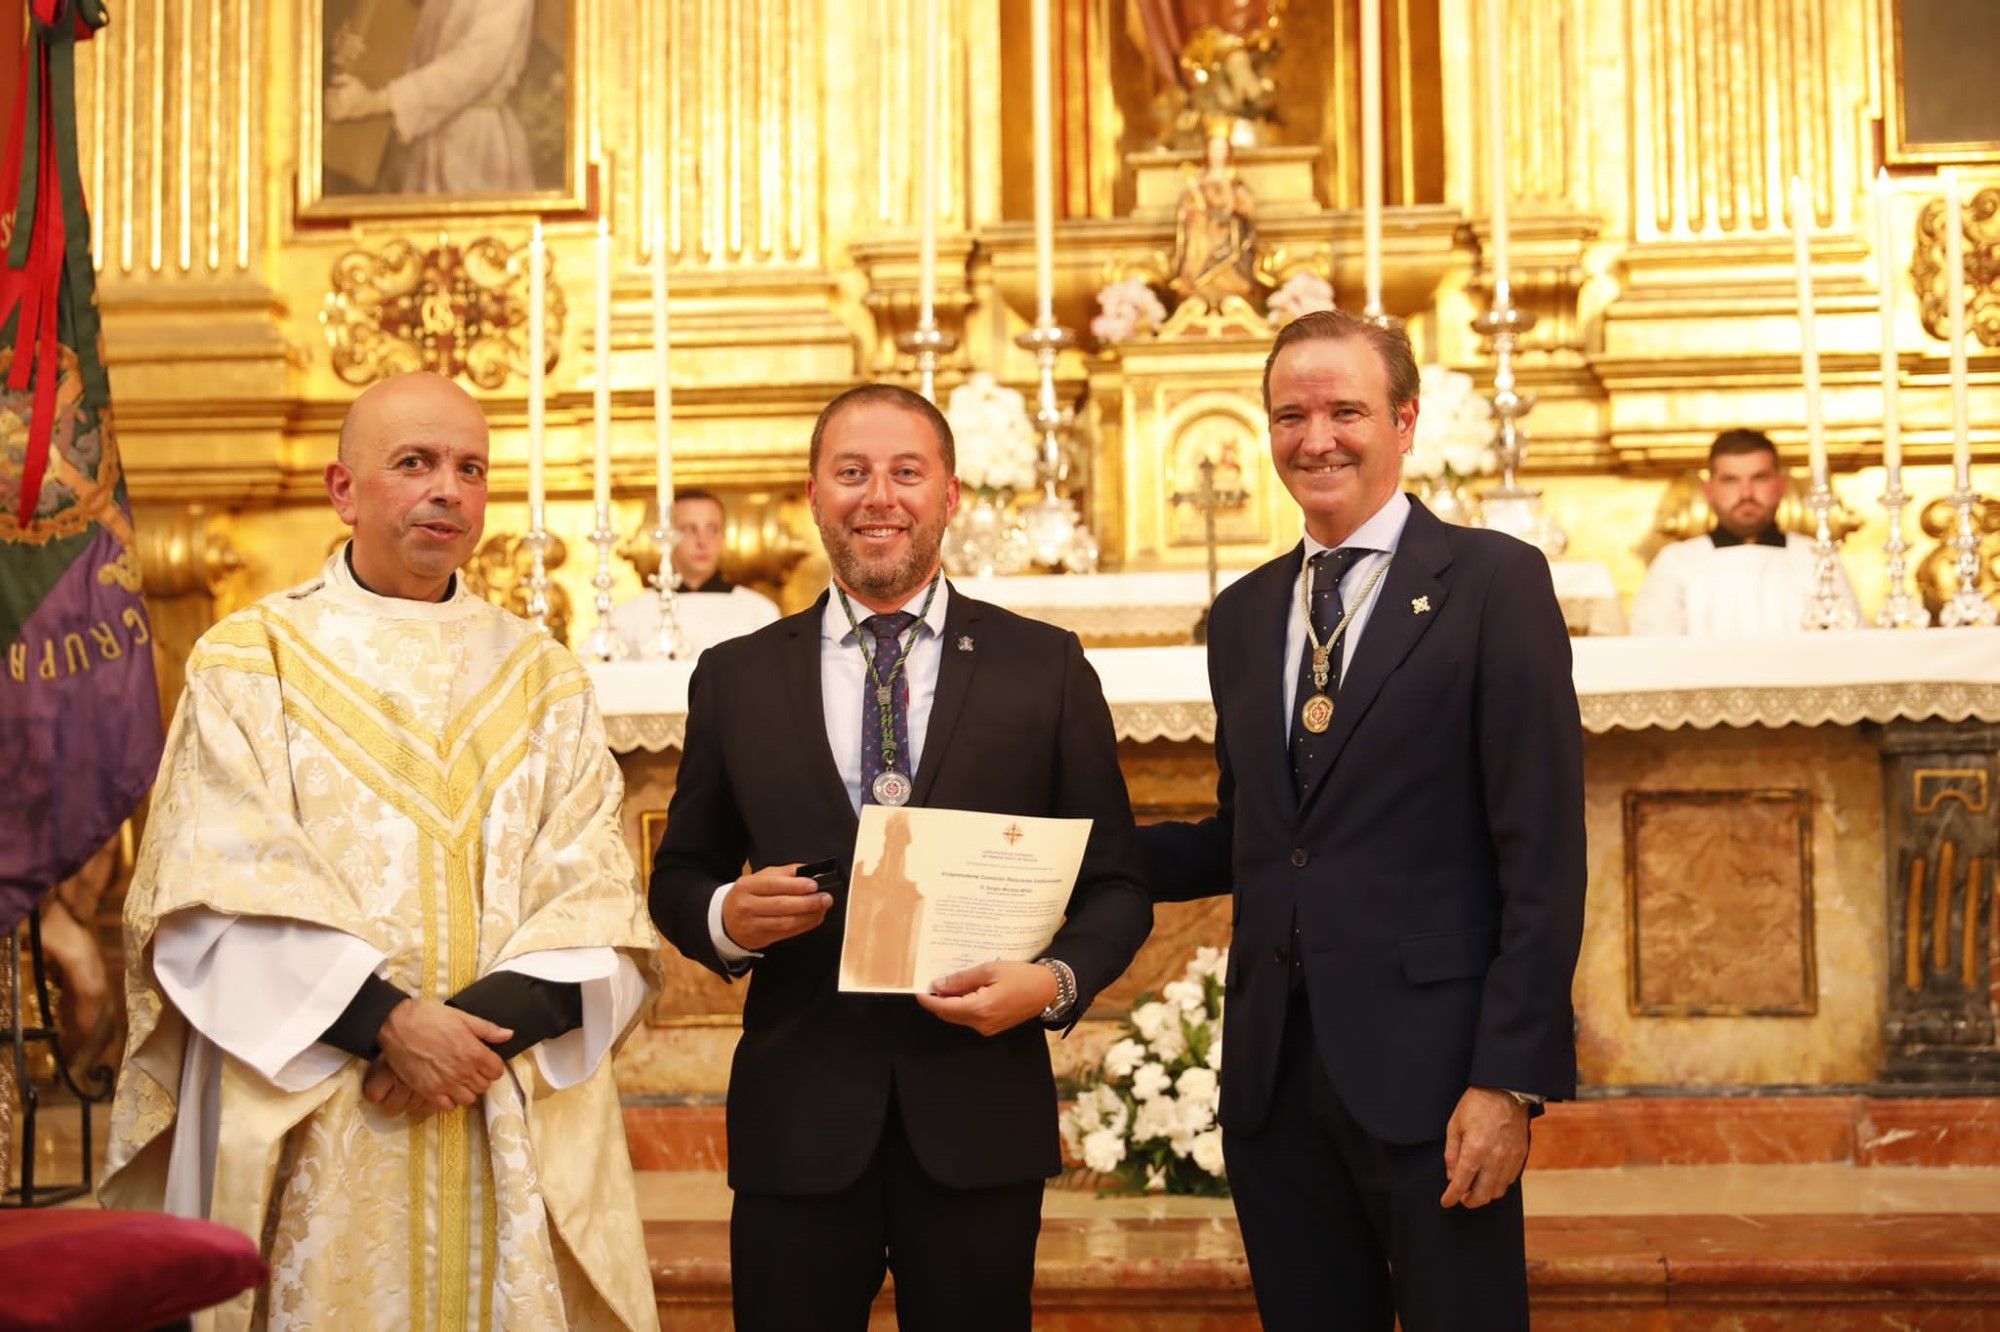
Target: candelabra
1966, 607
928, 345
1900, 608
1829, 607
603, 644
537, 541
668, 641
1510, 507
1058, 539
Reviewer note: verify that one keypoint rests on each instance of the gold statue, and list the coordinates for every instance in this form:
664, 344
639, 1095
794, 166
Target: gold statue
1214, 58
1215, 231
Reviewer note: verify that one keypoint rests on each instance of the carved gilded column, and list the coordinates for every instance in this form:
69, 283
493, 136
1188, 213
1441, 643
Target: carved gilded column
170, 105
1728, 100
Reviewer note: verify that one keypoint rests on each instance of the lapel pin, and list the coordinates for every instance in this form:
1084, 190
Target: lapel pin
965, 642
1420, 605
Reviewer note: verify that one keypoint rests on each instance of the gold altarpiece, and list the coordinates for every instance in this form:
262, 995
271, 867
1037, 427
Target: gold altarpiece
774, 143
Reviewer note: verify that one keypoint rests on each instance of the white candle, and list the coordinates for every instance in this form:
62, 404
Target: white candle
1954, 304
1371, 155
1885, 276
1045, 187
538, 356
601, 401
663, 384
1496, 143
1808, 346
927, 275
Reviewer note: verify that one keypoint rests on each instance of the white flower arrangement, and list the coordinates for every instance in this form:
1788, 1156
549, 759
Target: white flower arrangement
1302, 293
1146, 1119
995, 437
1454, 435
1124, 307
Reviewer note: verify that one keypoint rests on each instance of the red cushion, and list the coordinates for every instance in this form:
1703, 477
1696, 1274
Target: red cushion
78, 1269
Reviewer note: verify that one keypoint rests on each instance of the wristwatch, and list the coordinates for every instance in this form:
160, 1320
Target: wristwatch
1065, 989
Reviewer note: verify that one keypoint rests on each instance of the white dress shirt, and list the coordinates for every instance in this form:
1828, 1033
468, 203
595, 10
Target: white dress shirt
843, 675
1383, 531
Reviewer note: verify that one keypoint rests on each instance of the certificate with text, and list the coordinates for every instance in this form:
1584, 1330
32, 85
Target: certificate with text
934, 891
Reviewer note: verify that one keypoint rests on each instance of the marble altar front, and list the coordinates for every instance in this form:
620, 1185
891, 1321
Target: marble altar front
1791, 850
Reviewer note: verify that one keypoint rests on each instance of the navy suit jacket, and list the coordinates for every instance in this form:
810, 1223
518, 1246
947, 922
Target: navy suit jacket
1436, 870
1018, 726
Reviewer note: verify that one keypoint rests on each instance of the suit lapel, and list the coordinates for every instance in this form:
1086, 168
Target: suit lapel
1405, 608
802, 687
1252, 722
954, 681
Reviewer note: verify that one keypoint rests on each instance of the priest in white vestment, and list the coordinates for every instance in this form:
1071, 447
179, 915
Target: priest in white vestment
1746, 577
385, 933
709, 608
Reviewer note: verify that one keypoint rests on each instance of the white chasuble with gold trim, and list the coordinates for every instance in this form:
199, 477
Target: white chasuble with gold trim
357, 782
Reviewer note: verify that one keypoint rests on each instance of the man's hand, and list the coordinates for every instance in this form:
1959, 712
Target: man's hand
382, 1088
772, 905
443, 1055
1485, 1147
992, 997
348, 98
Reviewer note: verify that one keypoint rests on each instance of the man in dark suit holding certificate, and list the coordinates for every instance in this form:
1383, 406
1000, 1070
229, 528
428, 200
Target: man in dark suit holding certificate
1400, 816
887, 1132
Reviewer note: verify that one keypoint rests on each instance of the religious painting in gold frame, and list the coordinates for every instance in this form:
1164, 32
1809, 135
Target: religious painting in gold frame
428, 108
1941, 65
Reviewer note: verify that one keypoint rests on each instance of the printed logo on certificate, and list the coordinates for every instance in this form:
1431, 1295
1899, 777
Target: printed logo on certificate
934, 891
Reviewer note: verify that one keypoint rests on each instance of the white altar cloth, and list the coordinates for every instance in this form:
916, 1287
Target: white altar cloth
1161, 693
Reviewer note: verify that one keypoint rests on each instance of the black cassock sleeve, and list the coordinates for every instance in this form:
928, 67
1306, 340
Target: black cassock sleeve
535, 1010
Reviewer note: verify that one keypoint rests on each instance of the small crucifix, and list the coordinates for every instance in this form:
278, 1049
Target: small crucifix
1208, 499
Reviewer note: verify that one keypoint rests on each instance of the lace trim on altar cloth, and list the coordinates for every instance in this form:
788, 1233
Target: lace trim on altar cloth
1664, 710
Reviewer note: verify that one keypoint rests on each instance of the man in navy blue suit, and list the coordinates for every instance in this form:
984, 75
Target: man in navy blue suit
1400, 816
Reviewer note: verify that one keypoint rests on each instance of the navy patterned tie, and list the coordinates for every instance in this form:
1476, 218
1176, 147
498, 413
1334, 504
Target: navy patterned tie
888, 631
1309, 751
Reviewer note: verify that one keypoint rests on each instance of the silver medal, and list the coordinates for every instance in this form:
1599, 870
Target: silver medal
892, 788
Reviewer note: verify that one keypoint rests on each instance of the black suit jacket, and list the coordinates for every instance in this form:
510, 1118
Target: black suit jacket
1018, 726
1437, 868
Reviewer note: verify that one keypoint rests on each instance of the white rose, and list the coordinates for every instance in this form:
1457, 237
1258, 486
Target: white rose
1122, 1058
1208, 1152
1181, 1145
1186, 994
1072, 1135
1153, 1018
1197, 1084
1209, 961
1103, 1151
1171, 1045
1157, 1118
1149, 1082
1111, 1107
1214, 1059
1193, 1117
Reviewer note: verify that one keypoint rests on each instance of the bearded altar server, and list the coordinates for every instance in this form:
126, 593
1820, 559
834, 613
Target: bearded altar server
1745, 577
384, 932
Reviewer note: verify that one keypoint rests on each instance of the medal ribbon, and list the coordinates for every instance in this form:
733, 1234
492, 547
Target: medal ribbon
885, 686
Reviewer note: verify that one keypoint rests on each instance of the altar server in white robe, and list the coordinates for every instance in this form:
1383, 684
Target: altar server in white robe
385, 932
709, 609
1746, 577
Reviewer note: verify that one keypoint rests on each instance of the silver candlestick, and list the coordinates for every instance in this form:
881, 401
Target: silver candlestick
1057, 537
603, 643
1511, 507
1966, 607
928, 345
669, 641
1900, 609
537, 541
1829, 607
